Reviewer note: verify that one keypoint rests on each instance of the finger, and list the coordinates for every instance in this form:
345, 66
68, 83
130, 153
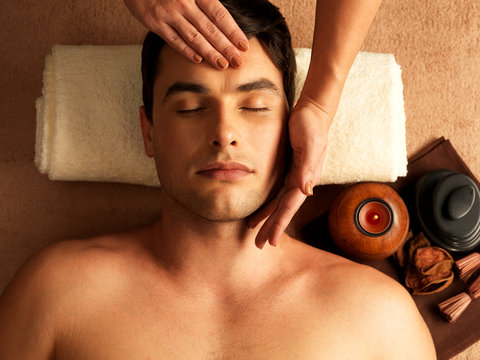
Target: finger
265, 211
176, 42
278, 221
212, 41
308, 163
195, 40
286, 210
225, 22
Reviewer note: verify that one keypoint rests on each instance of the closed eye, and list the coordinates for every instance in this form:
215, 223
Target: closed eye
190, 111
254, 109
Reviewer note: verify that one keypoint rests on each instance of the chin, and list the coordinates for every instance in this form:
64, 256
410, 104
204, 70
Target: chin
225, 207
226, 211
220, 203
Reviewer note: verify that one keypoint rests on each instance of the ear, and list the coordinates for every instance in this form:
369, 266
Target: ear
147, 132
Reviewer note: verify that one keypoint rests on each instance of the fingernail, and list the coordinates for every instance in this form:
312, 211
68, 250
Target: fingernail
309, 188
260, 245
236, 61
259, 240
197, 58
243, 45
222, 63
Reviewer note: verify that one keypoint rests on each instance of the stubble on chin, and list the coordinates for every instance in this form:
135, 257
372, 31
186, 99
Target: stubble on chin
221, 208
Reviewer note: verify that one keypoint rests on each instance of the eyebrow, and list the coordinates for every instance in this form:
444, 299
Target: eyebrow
262, 84
180, 87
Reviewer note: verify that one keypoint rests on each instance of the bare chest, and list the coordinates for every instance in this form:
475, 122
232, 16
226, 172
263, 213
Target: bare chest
183, 329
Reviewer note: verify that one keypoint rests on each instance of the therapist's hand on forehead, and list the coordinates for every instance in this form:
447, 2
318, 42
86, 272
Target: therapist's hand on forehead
198, 29
204, 30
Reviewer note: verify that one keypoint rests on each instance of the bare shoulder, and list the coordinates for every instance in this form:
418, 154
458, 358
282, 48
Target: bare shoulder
58, 266
59, 277
379, 309
392, 318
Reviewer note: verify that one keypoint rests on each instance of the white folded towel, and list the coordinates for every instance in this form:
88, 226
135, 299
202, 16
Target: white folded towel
88, 124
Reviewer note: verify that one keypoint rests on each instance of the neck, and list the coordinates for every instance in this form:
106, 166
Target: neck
220, 254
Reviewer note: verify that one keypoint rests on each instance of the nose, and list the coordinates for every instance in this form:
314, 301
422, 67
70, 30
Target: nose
224, 130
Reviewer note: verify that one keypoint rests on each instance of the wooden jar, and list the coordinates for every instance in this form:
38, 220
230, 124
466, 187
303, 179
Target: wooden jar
368, 221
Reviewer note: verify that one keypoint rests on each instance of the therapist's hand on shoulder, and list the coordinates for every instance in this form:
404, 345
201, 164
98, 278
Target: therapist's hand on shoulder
308, 129
198, 29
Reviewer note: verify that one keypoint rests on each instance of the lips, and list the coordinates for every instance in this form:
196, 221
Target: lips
225, 170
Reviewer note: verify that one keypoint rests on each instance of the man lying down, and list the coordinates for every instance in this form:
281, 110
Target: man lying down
194, 285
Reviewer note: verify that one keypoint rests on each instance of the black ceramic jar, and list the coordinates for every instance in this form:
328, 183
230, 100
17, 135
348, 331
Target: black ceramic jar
448, 209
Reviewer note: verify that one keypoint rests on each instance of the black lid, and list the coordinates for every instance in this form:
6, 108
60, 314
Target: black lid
448, 209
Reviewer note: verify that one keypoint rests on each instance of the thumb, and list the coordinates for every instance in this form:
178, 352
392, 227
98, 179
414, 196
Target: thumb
308, 164
302, 173
308, 139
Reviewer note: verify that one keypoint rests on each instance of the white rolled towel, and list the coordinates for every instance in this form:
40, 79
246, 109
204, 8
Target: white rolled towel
88, 126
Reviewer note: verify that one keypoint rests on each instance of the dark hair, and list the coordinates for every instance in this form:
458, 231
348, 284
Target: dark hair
257, 19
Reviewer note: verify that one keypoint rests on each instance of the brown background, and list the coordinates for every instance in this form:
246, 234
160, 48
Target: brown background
437, 43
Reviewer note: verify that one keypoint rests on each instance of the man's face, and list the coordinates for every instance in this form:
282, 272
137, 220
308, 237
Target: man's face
219, 137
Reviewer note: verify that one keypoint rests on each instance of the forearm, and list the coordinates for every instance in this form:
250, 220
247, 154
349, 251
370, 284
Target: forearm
340, 29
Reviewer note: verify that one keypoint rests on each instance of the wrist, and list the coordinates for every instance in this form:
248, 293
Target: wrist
322, 112
324, 92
